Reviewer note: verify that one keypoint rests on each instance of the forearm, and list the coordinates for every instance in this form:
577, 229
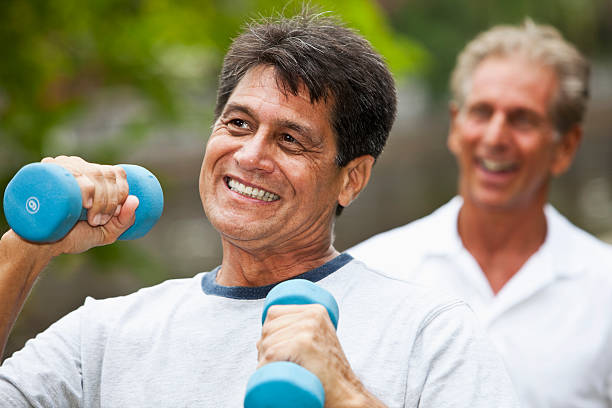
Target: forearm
351, 393
20, 264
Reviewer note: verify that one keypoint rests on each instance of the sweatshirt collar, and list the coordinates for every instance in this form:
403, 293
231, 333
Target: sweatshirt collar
211, 287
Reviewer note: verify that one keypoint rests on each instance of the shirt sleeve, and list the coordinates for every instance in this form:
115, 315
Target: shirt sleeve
609, 389
47, 371
458, 366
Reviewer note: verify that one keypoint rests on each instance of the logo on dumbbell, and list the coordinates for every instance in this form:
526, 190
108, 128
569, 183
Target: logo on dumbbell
32, 205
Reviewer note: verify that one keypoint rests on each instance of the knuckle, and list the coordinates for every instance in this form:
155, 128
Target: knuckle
75, 159
87, 185
108, 173
319, 309
271, 353
120, 171
319, 312
274, 312
265, 330
98, 174
305, 338
124, 191
106, 238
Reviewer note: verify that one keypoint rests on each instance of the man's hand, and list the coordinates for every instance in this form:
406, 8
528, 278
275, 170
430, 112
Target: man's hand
305, 335
104, 193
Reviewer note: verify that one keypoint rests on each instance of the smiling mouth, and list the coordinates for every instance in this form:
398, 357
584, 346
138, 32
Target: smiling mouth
249, 191
497, 166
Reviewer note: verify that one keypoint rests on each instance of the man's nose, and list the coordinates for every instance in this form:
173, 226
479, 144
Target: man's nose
497, 131
256, 152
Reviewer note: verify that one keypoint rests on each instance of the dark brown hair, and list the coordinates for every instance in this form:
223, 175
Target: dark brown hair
334, 63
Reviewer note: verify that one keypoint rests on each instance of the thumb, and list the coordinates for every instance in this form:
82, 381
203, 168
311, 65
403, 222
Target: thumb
127, 215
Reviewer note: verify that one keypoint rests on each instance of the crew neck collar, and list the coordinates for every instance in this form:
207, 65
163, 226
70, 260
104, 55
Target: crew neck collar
211, 287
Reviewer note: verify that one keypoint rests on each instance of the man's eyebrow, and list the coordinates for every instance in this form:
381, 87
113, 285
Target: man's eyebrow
303, 130
232, 107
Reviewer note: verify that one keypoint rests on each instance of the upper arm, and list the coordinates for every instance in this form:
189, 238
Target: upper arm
47, 371
453, 364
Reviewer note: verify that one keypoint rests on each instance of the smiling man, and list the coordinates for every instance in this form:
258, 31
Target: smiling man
541, 286
304, 107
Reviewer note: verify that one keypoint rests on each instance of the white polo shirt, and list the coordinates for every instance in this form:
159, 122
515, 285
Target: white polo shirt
552, 322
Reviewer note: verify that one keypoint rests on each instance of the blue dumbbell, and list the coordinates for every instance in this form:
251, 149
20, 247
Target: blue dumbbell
43, 202
284, 384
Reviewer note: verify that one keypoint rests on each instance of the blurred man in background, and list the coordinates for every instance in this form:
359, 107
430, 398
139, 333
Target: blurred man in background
304, 107
541, 286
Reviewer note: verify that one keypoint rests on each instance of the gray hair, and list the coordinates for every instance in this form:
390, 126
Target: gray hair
541, 44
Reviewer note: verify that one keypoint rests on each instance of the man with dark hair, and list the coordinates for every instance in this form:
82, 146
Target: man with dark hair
541, 286
305, 105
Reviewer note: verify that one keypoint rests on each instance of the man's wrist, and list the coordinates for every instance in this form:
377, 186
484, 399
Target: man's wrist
353, 394
32, 257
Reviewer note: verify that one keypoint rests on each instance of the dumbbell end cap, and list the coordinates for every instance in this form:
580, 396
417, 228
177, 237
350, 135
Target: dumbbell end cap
284, 384
144, 185
301, 292
42, 202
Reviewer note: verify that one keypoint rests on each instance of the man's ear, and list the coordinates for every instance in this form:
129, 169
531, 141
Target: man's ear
565, 150
451, 140
356, 175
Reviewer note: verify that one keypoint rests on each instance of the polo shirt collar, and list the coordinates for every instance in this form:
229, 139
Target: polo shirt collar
561, 244
444, 239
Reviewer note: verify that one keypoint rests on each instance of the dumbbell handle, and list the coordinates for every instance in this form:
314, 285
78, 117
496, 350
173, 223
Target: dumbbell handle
43, 202
282, 383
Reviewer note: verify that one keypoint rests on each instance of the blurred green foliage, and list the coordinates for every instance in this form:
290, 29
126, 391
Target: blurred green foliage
97, 78
100, 78
443, 27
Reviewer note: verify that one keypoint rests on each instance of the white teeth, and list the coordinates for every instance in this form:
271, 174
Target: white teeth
493, 165
251, 191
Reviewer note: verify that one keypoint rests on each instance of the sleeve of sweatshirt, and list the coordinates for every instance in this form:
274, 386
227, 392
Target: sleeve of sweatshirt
47, 371
457, 365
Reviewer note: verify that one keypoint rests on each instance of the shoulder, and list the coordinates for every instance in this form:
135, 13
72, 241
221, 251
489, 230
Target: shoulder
575, 248
363, 287
147, 300
389, 250
438, 220
444, 341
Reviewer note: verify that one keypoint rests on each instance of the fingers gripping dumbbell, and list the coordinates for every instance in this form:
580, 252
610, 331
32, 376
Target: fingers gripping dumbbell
285, 384
43, 202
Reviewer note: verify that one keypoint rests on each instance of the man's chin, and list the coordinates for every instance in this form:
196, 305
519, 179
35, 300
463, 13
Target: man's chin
490, 200
240, 231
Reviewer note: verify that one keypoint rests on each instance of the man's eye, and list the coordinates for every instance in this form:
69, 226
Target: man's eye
480, 112
291, 144
524, 120
239, 123
288, 138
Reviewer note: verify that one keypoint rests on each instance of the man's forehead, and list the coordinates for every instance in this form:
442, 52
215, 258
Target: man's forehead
512, 79
265, 76
264, 81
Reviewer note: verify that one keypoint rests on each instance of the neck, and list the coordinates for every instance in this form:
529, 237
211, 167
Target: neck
501, 240
252, 267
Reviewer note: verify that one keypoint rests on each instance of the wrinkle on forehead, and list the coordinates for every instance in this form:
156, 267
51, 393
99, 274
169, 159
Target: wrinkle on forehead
513, 80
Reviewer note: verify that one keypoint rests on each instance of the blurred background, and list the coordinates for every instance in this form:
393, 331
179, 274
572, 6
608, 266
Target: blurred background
133, 81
